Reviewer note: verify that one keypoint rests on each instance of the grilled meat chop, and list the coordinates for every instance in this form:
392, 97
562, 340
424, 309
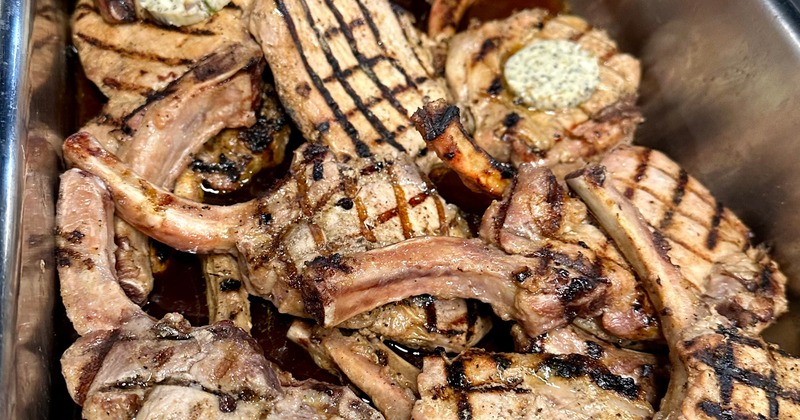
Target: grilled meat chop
537, 213
514, 386
388, 380
350, 72
720, 367
562, 139
710, 245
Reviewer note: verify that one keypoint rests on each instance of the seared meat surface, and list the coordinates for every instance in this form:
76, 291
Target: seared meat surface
537, 213
426, 322
707, 241
564, 138
514, 386
323, 208
350, 72
720, 368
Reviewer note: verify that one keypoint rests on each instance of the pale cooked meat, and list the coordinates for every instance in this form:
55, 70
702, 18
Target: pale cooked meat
706, 240
445, 16
310, 399
440, 125
515, 386
643, 368
228, 161
220, 359
85, 257
322, 208
388, 380
718, 369
542, 291
350, 72
131, 62
537, 213
426, 322
512, 132
226, 295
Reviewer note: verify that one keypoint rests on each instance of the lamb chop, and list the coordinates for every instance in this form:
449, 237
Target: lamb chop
720, 367
558, 130
389, 381
350, 72
512, 386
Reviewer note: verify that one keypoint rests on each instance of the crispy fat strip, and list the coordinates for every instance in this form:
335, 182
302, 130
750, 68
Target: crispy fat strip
440, 126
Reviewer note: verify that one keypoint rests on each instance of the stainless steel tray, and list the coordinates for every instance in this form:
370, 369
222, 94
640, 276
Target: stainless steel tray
720, 91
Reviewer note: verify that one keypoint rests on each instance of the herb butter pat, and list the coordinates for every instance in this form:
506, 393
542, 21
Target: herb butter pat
552, 74
182, 12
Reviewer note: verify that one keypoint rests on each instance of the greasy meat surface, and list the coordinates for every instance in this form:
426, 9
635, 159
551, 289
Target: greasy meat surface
310, 399
718, 369
514, 386
350, 72
537, 213
562, 139
541, 291
388, 380
440, 125
322, 208
133, 61
426, 322
229, 160
641, 367
706, 240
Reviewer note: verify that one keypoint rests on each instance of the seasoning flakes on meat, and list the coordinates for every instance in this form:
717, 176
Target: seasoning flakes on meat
518, 111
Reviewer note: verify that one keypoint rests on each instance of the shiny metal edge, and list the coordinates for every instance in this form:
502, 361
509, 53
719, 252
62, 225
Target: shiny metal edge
16, 23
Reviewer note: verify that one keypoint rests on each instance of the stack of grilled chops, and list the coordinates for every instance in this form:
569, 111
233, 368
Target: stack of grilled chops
617, 271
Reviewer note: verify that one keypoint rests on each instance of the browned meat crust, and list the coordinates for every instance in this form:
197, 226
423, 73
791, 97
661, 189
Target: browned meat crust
440, 125
514, 386
537, 213
718, 370
563, 139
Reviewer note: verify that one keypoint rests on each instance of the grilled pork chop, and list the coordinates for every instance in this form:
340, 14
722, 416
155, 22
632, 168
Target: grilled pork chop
537, 213
710, 245
719, 369
350, 72
324, 208
562, 138
388, 380
514, 386
130, 63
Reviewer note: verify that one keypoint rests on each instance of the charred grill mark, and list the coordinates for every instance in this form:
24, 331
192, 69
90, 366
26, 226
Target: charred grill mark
188, 30
121, 85
458, 380
713, 233
90, 370
397, 11
644, 158
374, 121
361, 148
139, 55
496, 87
577, 365
677, 196
489, 45
376, 34
402, 204
431, 318
511, 119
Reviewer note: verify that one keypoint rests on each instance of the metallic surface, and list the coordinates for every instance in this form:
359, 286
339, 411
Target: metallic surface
720, 90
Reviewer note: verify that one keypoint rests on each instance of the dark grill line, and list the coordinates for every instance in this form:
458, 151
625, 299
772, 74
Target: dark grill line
365, 63
376, 34
170, 61
713, 234
361, 148
120, 85
337, 72
396, 11
677, 196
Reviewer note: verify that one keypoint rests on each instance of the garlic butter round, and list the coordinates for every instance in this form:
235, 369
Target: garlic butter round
182, 12
552, 74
